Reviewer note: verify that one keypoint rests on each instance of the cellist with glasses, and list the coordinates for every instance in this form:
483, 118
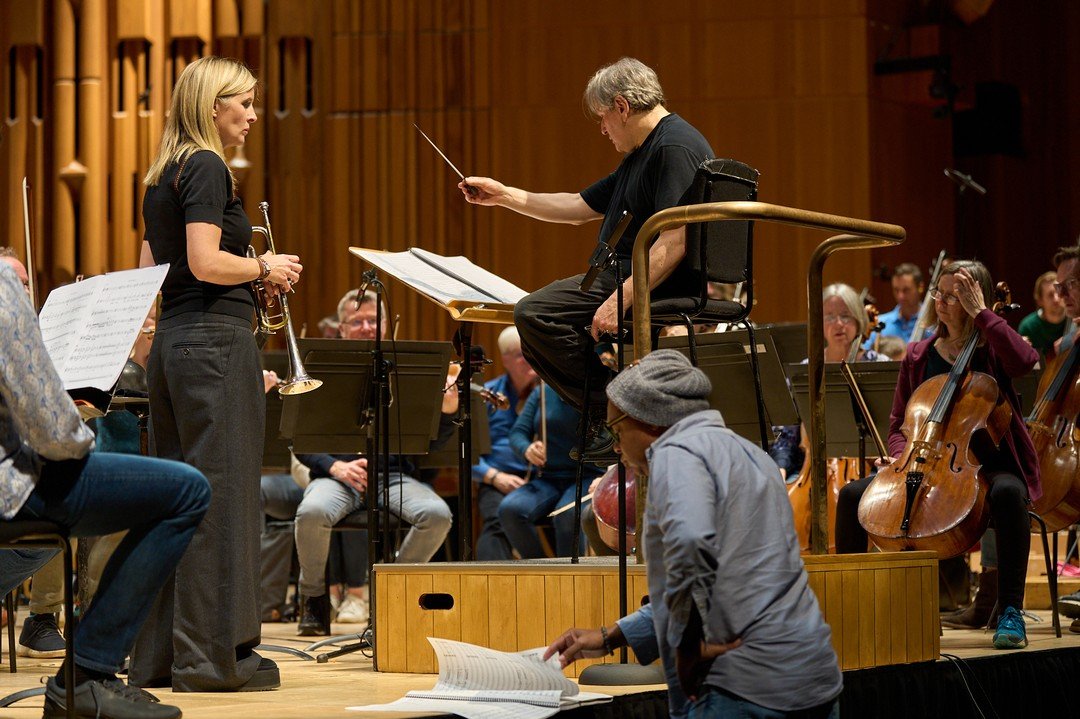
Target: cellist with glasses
1011, 471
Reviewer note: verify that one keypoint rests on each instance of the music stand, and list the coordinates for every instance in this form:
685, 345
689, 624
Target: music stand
790, 341
275, 445
449, 455
724, 357
877, 381
338, 418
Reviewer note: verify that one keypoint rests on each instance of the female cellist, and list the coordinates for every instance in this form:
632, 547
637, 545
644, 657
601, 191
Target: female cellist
846, 325
1011, 471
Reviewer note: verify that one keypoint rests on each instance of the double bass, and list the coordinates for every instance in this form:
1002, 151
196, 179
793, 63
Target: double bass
934, 496
1052, 425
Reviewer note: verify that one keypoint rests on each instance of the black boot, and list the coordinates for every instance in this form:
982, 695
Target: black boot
599, 444
977, 614
315, 617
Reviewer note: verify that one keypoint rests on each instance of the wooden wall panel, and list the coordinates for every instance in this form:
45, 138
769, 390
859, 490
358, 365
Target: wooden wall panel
785, 86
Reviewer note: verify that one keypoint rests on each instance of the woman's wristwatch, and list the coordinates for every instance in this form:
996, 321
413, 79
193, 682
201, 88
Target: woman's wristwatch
265, 269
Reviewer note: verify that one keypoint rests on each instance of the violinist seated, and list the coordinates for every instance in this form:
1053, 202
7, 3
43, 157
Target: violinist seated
338, 483
732, 616
551, 483
900, 321
1011, 471
1045, 326
501, 470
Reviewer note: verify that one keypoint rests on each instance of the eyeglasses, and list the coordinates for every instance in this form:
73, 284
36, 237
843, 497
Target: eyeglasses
611, 425
361, 322
845, 319
939, 296
1064, 288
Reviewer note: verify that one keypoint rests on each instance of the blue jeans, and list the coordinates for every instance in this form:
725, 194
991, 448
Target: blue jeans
525, 506
158, 501
721, 704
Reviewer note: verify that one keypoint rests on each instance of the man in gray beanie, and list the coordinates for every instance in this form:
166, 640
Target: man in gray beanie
731, 616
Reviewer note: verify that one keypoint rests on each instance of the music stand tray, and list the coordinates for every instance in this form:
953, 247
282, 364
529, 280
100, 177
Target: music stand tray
332, 420
877, 380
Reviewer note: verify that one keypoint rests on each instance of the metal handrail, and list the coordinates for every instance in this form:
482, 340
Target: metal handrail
855, 234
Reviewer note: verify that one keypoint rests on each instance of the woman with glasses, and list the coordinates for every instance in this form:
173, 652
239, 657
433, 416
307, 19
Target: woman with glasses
1012, 470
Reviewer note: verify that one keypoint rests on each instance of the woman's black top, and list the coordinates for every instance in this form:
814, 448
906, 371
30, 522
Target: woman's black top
202, 193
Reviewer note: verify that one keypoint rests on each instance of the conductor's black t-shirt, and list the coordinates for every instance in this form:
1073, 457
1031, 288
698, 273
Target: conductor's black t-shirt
653, 177
203, 193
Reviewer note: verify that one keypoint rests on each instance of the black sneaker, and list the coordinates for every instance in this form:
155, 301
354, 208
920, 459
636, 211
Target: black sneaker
41, 638
1075, 626
315, 617
1069, 605
266, 677
108, 699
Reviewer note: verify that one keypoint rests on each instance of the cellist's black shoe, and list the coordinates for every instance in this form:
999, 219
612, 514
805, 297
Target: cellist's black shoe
315, 617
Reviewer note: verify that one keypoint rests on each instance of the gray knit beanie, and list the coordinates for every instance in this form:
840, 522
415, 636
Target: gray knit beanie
661, 389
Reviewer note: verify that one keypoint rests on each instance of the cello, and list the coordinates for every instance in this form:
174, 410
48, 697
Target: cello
934, 496
1052, 425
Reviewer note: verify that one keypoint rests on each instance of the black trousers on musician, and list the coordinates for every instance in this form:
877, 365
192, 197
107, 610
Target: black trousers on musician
552, 322
207, 408
1008, 512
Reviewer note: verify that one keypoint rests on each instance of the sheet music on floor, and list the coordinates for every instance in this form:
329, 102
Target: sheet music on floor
444, 279
89, 327
480, 683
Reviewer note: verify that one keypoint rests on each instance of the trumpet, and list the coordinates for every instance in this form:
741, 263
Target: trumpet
272, 314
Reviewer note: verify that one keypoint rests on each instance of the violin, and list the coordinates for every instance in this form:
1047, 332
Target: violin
606, 508
1052, 425
934, 496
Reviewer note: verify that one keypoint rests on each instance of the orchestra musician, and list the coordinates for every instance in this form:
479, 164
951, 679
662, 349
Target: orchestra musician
560, 323
338, 482
205, 384
1012, 471
1045, 326
552, 481
49, 472
907, 290
732, 615
501, 471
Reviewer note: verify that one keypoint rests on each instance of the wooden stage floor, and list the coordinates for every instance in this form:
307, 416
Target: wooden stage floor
318, 691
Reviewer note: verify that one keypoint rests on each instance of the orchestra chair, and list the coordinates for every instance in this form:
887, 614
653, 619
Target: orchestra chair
41, 534
1051, 573
718, 251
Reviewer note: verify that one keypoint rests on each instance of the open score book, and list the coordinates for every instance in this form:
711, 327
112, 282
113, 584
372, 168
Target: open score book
486, 683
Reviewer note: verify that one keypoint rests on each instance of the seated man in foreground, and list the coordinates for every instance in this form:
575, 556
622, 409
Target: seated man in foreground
732, 616
49, 473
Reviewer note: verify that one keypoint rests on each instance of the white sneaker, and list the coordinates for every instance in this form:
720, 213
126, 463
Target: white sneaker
353, 610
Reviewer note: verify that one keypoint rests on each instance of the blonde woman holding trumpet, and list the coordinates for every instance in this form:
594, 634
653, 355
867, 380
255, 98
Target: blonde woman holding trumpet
205, 384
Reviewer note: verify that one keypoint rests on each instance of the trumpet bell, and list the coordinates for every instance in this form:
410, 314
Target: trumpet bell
300, 385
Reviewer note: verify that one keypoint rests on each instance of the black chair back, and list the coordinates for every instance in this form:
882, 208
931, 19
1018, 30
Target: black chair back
721, 251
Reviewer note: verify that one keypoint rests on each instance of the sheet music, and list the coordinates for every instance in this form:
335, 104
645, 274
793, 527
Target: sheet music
505, 292
89, 327
489, 684
464, 666
421, 270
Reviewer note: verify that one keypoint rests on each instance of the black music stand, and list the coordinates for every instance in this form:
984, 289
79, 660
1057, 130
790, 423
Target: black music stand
345, 417
790, 341
725, 359
275, 445
877, 381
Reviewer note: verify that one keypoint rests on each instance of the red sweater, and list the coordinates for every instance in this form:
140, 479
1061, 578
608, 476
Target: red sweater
1004, 356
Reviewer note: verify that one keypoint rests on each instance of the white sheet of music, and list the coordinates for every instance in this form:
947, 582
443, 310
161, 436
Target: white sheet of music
481, 683
420, 270
89, 327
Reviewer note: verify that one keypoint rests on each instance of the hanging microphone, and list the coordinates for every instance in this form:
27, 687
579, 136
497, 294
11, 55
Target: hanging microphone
964, 181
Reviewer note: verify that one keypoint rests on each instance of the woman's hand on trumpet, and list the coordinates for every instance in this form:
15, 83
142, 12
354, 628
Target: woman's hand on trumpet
284, 271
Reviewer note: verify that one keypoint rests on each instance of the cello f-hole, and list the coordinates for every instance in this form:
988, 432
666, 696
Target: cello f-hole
952, 459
